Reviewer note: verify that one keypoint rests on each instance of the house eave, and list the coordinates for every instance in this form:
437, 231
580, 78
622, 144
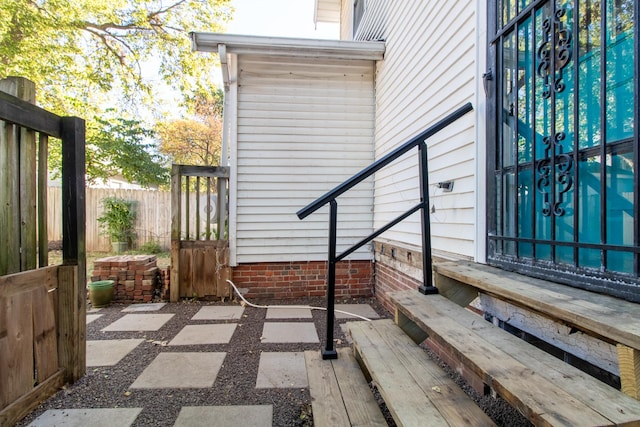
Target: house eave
290, 47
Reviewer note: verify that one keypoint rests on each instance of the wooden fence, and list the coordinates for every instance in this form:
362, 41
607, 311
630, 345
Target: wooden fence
42, 310
153, 216
153, 220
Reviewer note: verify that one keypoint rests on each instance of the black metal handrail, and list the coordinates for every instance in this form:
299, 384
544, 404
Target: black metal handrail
330, 197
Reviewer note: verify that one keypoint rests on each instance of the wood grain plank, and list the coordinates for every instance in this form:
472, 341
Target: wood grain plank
209, 267
405, 400
185, 281
16, 352
28, 281
613, 319
629, 360
449, 400
24, 405
44, 335
362, 408
599, 396
326, 403
223, 271
199, 286
539, 399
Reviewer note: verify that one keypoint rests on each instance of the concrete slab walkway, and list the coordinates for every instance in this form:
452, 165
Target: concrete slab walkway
190, 357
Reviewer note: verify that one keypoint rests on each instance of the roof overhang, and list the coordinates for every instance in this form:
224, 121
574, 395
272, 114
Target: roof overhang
326, 11
292, 47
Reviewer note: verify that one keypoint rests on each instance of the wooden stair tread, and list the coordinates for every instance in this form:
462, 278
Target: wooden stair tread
544, 388
340, 395
414, 387
611, 318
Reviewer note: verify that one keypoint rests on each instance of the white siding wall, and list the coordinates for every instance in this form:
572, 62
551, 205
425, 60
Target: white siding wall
304, 126
428, 71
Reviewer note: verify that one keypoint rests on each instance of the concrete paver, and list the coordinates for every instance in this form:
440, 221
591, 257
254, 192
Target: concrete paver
92, 317
360, 309
139, 322
284, 312
204, 334
219, 312
289, 332
225, 416
282, 370
109, 352
181, 370
153, 306
101, 417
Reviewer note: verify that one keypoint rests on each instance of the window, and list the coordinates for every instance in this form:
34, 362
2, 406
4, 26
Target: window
564, 142
358, 13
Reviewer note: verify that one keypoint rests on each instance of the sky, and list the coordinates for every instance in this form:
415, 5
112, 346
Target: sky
279, 18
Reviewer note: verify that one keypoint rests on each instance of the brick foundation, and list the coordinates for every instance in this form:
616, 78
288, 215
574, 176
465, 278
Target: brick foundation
389, 280
282, 280
136, 277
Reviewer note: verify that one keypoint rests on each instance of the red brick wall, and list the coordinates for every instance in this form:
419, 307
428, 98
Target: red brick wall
283, 280
391, 280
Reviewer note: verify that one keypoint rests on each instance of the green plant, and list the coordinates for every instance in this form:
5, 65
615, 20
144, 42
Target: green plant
117, 219
151, 247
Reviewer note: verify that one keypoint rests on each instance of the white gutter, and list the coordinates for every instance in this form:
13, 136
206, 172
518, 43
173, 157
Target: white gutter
292, 47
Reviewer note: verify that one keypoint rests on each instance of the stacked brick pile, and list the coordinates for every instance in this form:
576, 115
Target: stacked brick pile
136, 277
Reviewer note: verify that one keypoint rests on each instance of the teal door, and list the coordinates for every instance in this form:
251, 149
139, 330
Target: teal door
564, 142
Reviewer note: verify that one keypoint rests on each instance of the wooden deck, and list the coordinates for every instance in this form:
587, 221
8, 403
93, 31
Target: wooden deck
340, 394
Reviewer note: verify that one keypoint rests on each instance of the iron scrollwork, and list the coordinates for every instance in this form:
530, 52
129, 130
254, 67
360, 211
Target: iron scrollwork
554, 55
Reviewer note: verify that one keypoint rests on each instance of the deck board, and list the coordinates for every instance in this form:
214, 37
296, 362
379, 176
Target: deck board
414, 388
550, 383
340, 394
611, 318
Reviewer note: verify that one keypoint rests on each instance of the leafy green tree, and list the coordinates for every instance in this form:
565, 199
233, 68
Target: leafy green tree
96, 58
81, 53
118, 146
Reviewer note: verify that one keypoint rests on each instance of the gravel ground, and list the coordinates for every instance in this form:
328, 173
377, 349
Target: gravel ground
108, 387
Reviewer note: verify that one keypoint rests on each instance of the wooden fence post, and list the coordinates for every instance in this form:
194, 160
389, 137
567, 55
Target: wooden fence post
72, 298
176, 226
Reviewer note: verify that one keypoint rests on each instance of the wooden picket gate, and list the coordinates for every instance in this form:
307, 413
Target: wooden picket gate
199, 245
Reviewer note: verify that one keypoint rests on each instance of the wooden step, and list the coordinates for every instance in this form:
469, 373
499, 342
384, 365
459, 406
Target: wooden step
340, 394
415, 389
546, 390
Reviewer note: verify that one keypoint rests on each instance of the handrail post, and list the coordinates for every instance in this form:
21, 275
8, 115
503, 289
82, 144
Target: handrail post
329, 352
427, 275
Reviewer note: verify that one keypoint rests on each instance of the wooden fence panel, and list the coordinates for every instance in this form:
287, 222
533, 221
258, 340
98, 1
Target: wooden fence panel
153, 221
28, 338
204, 269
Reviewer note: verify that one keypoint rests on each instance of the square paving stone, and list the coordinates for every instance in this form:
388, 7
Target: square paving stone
109, 352
289, 332
282, 370
225, 416
219, 312
135, 308
204, 334
181, 370
99, 417
92, 317
139, 322
364, 310
284, 312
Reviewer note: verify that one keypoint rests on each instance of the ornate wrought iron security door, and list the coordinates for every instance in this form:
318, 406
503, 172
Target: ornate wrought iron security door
564, 138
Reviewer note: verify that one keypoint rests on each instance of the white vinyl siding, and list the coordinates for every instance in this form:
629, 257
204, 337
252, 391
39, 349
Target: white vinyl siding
428, 71
303, 127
